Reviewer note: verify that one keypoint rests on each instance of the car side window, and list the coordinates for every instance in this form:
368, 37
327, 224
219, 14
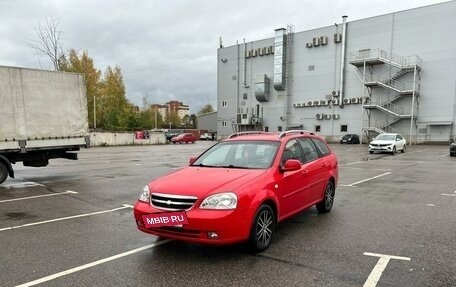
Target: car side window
321, 146
310, 151
292, 151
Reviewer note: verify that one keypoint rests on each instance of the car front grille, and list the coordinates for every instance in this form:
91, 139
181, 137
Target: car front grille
380, 144
171, 201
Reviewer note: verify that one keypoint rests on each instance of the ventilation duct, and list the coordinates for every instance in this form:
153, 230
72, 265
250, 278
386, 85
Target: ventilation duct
262, 88
279, 59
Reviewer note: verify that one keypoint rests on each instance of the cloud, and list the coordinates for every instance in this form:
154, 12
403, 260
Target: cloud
167, 50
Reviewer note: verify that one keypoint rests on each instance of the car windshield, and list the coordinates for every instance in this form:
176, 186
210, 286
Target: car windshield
385, 137
346, 137
239, 154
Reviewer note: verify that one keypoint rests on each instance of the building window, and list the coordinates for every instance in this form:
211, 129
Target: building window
311, 67
279, 128
318, 129
224, 124
224, 103
234, 78
244, 96
343, 128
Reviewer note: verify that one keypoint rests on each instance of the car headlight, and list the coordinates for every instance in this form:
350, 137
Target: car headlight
145, 194
226, 200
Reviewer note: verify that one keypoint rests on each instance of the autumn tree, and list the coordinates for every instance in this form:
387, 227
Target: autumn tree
81, 63
206, 109
113, 103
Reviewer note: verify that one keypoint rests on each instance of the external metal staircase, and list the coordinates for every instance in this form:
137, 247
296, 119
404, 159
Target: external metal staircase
391, 106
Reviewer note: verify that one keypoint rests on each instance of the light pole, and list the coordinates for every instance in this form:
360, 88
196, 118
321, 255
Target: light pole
94, 112
155, 117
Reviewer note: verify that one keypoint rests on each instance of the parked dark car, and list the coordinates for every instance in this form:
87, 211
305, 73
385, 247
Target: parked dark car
350, 139
453, 149
169, 135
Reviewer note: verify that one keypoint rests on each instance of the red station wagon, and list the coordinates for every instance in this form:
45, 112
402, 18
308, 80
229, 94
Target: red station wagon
183, 138
240, 188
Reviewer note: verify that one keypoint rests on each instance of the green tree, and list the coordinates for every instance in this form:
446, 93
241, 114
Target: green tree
194, 121
114, 105
206, 109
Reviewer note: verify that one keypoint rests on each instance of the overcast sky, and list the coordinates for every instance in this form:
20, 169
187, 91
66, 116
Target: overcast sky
167, 49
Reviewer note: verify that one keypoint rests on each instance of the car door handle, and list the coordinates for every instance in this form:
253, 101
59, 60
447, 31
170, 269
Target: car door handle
324, 164
304, 172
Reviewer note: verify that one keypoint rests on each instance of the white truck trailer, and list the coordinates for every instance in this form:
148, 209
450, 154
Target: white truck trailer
43, 115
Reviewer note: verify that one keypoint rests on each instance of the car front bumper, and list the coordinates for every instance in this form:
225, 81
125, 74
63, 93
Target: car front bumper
231, 226
388, 148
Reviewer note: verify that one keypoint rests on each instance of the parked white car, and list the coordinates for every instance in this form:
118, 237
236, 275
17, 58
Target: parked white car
390, 143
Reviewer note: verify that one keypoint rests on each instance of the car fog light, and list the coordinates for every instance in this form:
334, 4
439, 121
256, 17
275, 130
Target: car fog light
139, 223
212, 235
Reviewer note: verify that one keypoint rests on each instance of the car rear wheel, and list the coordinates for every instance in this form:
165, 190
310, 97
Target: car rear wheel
326, 204
403, 149
263, 227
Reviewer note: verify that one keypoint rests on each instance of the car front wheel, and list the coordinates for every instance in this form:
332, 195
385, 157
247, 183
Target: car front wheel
394, 150
326, 204
263, 227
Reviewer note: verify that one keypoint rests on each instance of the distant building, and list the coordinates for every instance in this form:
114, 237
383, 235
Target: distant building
389, 73
208, 122
172, 106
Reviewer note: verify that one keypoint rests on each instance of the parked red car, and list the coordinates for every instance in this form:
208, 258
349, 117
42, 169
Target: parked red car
183, 138
240, 188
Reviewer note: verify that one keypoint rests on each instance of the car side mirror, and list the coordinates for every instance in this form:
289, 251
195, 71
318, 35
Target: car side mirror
192, 160
291, 165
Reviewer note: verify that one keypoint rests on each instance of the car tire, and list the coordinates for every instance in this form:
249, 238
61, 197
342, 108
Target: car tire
371, 152
3, 172
394, 150
263, 227
326, 204
403, 149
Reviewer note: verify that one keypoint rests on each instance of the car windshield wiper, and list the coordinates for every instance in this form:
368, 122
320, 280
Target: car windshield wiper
234, 166
204, 165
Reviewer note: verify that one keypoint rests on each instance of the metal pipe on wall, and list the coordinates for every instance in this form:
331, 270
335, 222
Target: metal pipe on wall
342, 61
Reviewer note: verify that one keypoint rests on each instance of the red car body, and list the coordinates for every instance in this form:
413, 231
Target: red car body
279, 186
183, 138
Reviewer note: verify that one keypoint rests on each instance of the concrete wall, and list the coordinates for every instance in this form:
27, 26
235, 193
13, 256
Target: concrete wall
126, 138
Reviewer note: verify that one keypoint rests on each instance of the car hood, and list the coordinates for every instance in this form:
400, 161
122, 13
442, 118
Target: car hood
202, 181
382, 142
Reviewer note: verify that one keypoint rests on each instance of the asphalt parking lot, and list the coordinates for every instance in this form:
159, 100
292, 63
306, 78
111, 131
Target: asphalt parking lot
71, 224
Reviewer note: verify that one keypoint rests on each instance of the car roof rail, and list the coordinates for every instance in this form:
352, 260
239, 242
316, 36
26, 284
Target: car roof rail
285, 133
248, 133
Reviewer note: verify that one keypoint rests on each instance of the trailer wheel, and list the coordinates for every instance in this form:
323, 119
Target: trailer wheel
3, 172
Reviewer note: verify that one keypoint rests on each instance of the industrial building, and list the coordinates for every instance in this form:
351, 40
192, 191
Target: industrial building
389, 73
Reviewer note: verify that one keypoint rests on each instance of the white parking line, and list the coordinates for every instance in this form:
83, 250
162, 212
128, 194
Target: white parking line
39, 196
92, 264
377, 272
350, 163
449, 194
444, 155
364, 180
63, 218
